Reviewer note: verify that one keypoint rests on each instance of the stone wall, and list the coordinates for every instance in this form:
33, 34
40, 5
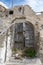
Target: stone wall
21, 14
41, 35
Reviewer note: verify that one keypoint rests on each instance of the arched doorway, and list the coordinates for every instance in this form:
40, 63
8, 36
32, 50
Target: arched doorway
24, 36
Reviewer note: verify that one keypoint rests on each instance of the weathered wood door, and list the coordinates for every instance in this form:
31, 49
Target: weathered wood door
29, 35
23, 35
18, 36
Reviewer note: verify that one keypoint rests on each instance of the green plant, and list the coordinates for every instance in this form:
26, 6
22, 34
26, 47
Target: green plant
14, 49
29, 52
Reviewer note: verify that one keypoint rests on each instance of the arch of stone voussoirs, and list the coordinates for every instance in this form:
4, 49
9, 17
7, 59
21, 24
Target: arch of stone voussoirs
29, 23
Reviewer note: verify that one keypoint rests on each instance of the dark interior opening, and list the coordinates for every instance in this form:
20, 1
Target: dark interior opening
11, 12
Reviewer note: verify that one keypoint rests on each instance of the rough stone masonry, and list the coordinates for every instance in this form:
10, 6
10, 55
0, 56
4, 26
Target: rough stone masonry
20, 28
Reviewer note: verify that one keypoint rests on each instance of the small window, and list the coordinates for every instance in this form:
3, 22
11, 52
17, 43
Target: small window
11, 12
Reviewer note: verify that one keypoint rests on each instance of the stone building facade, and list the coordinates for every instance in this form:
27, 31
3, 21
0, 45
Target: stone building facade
21, 28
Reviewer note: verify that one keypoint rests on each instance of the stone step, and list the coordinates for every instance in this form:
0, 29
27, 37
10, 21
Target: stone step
35, 61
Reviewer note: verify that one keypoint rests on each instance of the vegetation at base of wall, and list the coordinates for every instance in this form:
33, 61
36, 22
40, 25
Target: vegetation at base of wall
14, 49
29, 53
17, 51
